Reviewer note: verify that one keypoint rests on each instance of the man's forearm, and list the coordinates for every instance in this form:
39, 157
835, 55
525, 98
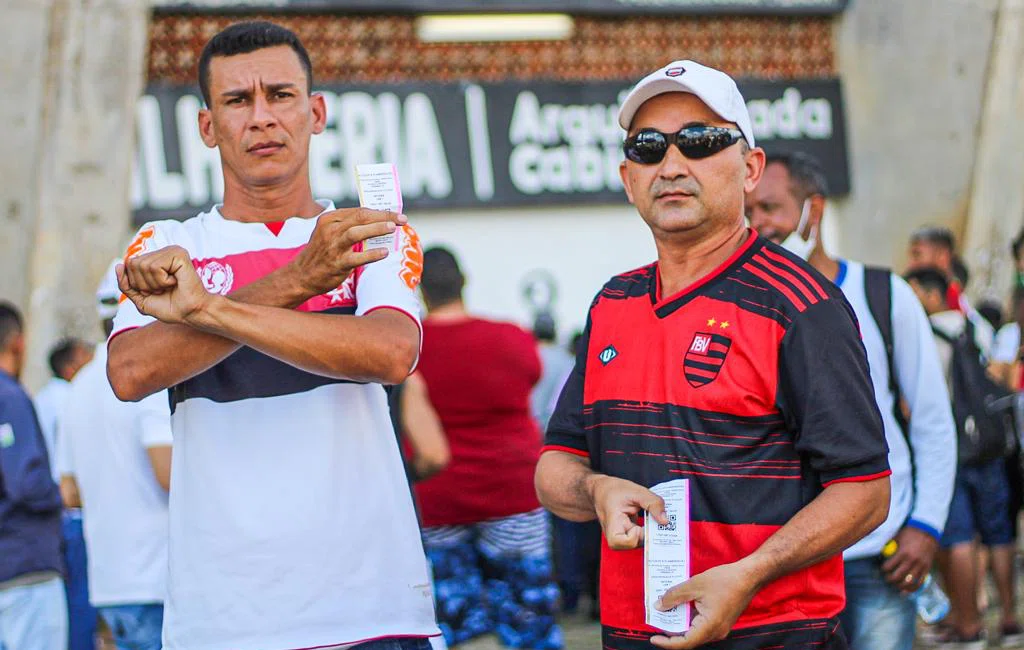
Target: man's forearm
377, 347
842, 514
564, 485
160, 355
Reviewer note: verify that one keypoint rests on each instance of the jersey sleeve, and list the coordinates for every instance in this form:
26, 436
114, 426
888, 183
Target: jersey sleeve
826, 395
151, 237
391, 283
153, 420
565, 430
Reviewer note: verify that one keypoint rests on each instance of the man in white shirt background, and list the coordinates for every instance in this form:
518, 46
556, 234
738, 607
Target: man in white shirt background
787, 206
66, 358
115, 463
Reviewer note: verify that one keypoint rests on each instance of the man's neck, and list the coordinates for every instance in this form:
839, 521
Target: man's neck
455, 310
263, 204
9, 365
824, 264
682, 262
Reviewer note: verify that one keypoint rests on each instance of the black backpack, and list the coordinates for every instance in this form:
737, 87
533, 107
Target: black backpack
982, 408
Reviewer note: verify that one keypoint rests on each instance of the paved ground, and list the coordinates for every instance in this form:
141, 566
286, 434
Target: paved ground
583, 634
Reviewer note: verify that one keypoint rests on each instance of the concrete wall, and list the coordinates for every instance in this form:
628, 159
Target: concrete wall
914, 75
66, 174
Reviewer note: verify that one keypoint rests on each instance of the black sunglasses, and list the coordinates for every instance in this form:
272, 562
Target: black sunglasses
649, 146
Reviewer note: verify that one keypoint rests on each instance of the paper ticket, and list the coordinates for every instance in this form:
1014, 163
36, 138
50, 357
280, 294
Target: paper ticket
379, 190
667, 555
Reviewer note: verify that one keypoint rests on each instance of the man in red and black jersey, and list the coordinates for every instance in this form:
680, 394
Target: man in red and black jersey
729, 362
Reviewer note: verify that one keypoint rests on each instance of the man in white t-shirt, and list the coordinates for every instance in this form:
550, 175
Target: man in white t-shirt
274, 320
1006, 349
114, 458
787, 207
66, 358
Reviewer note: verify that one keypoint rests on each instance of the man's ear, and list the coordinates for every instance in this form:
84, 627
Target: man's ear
206, 130
624, 175
816, 211
319, 107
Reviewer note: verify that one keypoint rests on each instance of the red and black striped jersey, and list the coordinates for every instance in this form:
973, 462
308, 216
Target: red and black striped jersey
753, 383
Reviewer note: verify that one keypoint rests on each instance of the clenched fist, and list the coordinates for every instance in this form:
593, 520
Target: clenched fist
163, 284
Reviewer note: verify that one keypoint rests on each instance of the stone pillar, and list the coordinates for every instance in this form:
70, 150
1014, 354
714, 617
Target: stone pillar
82, 64
996, 210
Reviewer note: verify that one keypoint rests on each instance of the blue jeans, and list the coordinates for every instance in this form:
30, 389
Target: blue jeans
81, 615
396, 643
34, 617
135, 627
877, 616
980, 505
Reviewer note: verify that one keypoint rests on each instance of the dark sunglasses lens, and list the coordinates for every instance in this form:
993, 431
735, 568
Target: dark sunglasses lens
704, 141
646, 147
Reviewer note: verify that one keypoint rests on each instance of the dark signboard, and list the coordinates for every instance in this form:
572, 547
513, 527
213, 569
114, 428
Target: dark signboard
579, 7
468, 145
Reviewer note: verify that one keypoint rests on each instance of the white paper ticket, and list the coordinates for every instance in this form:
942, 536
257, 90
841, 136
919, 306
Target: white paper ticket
667, 555
379, 190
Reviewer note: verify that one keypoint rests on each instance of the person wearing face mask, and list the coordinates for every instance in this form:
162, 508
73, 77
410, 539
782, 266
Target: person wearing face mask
787, 207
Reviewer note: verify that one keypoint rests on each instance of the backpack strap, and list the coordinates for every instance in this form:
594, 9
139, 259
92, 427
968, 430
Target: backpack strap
878, 289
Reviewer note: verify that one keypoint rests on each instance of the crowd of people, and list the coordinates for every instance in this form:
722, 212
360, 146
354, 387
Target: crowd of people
273, 450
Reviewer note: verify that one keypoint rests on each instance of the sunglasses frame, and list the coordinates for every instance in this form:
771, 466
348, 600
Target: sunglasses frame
679, 140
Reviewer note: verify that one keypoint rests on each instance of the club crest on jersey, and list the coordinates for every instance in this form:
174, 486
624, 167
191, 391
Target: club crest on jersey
705, 357
217, 277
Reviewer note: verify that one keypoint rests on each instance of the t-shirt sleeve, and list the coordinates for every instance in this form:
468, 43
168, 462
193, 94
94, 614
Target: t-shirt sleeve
391, 283
1007, 343
153, 420
151, 237
826, 395
565, 430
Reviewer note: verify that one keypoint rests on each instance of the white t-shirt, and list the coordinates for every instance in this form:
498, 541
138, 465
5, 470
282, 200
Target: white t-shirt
292, 523
49, 404
922, 472
103, 443
1007, 343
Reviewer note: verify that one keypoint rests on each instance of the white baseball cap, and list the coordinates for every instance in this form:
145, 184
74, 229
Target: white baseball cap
713, 87
108, 293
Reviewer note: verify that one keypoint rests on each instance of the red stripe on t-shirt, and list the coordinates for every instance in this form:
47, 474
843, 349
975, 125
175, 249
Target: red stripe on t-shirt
568, 450
798, 270
783, 289
858, 479
274, 227
807, 293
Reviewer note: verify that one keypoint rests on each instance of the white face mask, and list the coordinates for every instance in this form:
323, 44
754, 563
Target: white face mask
796, 243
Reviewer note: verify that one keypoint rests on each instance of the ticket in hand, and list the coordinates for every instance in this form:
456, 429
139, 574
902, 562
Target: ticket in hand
379, 190
667, 556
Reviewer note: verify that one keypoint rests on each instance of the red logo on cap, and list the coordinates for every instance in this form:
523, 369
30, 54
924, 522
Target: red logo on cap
675, 72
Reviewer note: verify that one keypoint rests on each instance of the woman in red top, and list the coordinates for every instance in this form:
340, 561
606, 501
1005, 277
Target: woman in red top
484, 530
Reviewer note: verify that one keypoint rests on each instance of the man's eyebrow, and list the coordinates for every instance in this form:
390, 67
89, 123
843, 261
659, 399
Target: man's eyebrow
246, 92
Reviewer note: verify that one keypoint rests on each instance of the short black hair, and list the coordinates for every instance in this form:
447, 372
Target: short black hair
11, 323
935, 235
442, 280
245, 37
62, 353
960, 271
992, 312
930, 279
805, 171
544, 328
1017, 245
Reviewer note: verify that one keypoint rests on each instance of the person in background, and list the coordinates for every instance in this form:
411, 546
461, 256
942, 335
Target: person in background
33, 604
1007, 354
981, 502
788, 205
114, 458
66, 358
555, 363
487, 538
935, 247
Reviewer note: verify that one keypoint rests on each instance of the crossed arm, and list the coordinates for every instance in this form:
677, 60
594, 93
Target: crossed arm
197, 329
